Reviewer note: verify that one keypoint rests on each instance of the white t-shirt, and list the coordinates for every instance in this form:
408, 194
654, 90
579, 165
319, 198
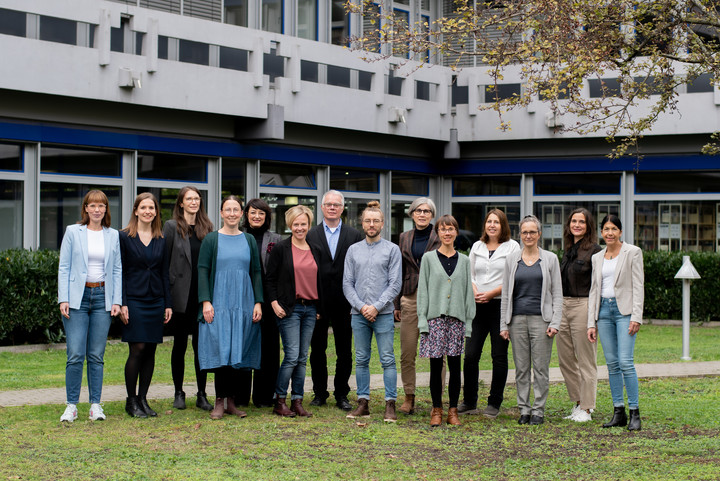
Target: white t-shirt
608, 278
96, 256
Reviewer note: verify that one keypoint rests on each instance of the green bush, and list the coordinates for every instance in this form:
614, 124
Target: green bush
28, 296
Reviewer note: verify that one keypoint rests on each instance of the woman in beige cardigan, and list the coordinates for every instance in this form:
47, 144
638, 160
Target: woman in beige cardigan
445, 314
616, 304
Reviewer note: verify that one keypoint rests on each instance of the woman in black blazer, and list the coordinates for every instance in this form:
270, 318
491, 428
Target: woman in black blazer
146, 298
293, 290
183, 236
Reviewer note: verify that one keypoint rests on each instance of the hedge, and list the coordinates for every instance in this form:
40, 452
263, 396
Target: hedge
29, 312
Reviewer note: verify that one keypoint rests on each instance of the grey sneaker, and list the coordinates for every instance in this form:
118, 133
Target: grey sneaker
466, 409
491, 412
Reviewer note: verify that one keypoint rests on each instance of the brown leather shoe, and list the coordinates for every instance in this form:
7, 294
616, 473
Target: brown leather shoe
408, 406
436, 416
281, 408
362, 411
232, 409
219, 410
297, 407
452, 418
390, 416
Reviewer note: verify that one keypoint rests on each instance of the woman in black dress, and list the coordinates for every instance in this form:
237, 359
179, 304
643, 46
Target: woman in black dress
183, 236
146, 298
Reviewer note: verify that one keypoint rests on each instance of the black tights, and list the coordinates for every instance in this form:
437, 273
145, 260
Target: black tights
177, 362
436, 380
140, 364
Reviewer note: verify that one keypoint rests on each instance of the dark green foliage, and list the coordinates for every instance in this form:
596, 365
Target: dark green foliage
28, 296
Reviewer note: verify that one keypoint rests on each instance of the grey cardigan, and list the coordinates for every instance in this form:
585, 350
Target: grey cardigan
551, 297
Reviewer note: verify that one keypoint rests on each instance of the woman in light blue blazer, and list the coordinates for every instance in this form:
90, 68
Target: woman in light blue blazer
89, 293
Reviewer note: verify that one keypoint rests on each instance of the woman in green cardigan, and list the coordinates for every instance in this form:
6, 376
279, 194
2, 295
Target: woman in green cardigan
230, 293
445, 315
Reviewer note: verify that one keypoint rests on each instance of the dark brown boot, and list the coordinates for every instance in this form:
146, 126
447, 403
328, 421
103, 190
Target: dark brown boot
436, 416
232, 409
297, 407
219, 410
390, 416
408, 406
452, 418
362, 411
281, 408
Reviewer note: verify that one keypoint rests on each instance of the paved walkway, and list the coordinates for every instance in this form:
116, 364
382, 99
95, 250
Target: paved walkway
166, 391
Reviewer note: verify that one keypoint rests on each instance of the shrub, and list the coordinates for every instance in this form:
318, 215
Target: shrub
28, 301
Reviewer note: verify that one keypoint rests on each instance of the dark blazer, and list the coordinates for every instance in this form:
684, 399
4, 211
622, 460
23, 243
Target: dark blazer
143, 277
331, 270
269, 238
280, 276
180, 269
410, 268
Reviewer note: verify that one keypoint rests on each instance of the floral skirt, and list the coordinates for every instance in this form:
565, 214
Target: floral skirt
446, 338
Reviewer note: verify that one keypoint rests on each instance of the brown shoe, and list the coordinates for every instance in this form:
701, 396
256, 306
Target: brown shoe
219, 410
297, 407
281, 408
390, 416
362, 411
232, 409
408, 406
452, 418
436, 416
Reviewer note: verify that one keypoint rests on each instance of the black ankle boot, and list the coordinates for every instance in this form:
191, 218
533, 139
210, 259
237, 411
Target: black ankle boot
133, 408
634, 424
619, 418
179, 402
145, 407
202, 401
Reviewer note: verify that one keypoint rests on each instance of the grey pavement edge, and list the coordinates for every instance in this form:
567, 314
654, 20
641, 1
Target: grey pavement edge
30, 397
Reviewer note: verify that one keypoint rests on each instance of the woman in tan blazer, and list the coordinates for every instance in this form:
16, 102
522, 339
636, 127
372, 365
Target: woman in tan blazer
615, 308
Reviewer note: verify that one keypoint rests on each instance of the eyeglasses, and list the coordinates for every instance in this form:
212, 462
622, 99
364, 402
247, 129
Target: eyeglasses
446, 230
529, 233
96, 206
232, 210
422, 211
193, 200
332, 205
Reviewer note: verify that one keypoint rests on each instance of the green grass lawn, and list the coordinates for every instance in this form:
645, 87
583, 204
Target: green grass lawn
43, 369
680, 440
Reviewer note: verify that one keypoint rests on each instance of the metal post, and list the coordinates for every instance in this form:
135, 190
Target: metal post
686, 320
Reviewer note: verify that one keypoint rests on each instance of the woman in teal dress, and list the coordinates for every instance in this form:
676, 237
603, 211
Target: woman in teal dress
230, 293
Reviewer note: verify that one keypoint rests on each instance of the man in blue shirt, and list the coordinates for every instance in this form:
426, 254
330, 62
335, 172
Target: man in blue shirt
372, 280
332, 238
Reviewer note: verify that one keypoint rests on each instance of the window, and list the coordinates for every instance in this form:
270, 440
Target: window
553, 216
287, 175
233, 177
394, 86
167, 198
608, 87
58, 30
11, 157
354, 180
564, 184
233, 58
281, 204
194, 52
471, 218
307, 19
409, 184
703, 83
171, 167
12, 23
272, 16
422, 90
60, 205
338, 76
365, 80
236, 12
340, 23
458, 94
60, 160
677, 225
494, 93
308, 71
677, 182
11, 214
486, 185
163, 47
273, 65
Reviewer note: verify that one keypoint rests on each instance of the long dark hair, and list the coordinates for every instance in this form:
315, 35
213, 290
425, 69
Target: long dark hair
156, 226
590, 237
203, 225
504, 227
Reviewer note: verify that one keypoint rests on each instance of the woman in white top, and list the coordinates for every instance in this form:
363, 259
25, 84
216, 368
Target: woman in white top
89, 292
487, 262
616, 302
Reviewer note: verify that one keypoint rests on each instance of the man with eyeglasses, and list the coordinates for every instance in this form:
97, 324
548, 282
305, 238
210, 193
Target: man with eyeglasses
332, 238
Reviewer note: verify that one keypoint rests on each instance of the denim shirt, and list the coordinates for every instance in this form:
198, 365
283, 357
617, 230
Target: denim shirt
372, 275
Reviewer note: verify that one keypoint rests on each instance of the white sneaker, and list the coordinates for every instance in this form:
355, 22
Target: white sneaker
70, 413
581, 416
96, 412
575, 409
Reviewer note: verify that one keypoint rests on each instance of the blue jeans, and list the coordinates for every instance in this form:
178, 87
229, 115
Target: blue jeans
86, 332
618, 347
296, 331
384, 329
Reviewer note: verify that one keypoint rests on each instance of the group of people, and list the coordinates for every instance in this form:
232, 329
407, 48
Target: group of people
241, 289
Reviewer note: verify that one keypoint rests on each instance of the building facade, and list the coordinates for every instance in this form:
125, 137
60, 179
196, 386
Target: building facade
262, 98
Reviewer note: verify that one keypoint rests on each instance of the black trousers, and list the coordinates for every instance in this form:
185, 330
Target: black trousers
339, 319
261, 382
486, 322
